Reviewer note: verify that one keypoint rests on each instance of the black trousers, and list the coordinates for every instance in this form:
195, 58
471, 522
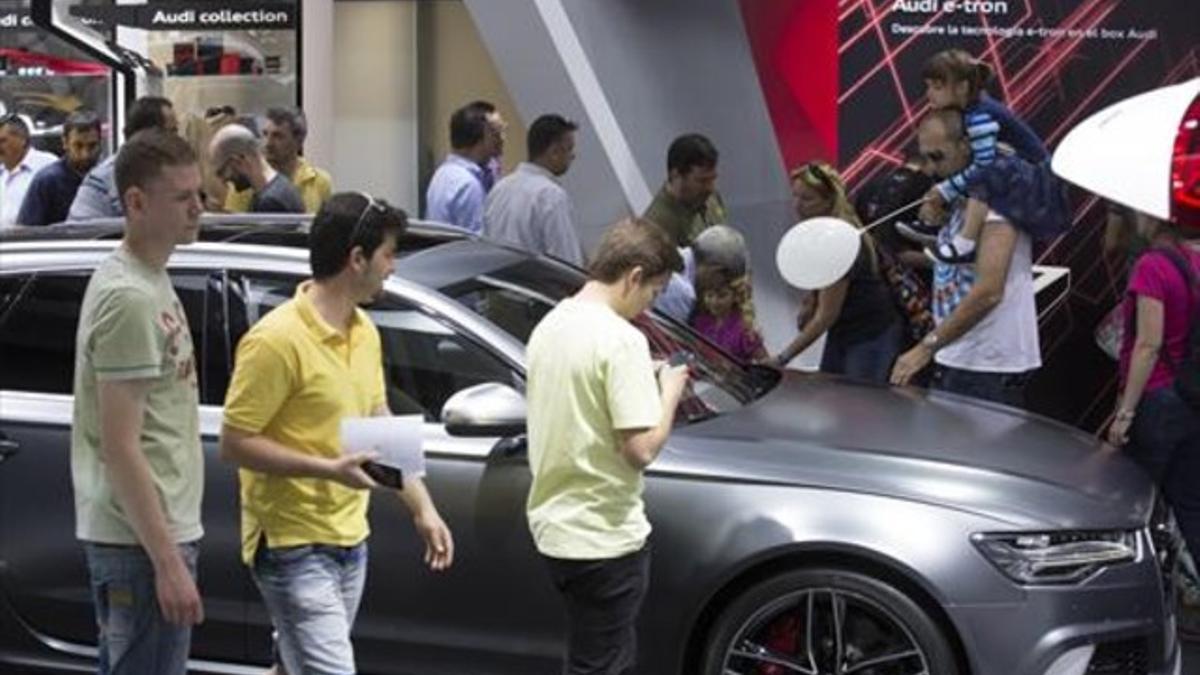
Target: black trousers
603, 600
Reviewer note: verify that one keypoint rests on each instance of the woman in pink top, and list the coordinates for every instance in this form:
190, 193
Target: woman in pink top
1159, 429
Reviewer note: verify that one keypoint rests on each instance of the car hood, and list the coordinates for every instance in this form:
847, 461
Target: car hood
831, 433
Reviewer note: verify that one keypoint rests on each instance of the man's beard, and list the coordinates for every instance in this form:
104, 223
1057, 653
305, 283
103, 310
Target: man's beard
83, 167
376, 295
372, 299
240, 182
278, 162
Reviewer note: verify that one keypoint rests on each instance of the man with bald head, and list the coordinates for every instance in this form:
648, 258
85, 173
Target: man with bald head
985, 343
238, 157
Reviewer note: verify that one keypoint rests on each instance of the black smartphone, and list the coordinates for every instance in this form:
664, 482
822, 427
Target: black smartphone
387, 476
681, 358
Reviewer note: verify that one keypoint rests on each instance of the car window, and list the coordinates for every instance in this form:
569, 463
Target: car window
513, 310
12, 288
428, 361
39, 315
37, 333
426, 358
193, 289
515, 298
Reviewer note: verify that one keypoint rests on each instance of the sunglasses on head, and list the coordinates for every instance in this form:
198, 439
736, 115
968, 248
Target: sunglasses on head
12, 118
373, 205
815, 175
220, 110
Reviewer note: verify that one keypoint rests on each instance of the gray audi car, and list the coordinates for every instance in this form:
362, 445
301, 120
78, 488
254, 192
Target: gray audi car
802, 523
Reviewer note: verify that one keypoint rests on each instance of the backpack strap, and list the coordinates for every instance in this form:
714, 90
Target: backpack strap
1184, 267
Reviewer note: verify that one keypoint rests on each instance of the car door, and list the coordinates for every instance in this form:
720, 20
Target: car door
43, 575
495, 610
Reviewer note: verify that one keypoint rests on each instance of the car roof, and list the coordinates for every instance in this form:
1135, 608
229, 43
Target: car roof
285, 230
435, 255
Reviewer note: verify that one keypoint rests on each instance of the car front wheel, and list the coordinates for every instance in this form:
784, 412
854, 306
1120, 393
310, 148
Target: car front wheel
826, 621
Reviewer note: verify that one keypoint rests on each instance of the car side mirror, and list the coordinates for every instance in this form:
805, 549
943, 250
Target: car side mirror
488, 409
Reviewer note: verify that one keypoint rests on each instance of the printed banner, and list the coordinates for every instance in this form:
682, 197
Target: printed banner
204, 16
16, 19
856, 101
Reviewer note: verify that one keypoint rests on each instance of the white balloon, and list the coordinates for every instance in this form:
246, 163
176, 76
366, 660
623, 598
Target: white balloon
817, 252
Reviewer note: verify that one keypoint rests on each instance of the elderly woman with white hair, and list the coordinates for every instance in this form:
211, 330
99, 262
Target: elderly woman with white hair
718, 246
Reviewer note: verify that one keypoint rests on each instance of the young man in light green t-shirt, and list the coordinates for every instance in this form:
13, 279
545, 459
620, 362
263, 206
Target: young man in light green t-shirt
136, 460
598, 416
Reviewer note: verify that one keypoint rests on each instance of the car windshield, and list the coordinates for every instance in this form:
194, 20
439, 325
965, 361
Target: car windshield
515, 297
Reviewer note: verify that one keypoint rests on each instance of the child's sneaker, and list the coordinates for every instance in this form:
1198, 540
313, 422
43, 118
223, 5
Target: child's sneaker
957, 252
919, 231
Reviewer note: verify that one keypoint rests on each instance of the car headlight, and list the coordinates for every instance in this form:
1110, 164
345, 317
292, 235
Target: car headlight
1056, 557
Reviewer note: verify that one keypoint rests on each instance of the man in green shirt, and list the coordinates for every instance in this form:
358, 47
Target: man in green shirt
597, 417
136, 460
688, 202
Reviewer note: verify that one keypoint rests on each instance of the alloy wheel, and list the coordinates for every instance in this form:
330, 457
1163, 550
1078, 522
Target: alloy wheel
824, 631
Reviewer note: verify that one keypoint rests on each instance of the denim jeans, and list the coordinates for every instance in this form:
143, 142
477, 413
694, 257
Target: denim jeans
1165, 440
869, 359
603, 600
1006, 388
134, 637
312, 594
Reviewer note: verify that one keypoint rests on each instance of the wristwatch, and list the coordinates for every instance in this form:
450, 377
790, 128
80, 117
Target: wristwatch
932, 341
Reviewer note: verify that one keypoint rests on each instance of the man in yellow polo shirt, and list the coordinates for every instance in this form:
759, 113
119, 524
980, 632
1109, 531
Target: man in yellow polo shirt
305, 366
597, 417
283, 140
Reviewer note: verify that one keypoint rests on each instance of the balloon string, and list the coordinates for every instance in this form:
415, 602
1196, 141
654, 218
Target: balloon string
884, 219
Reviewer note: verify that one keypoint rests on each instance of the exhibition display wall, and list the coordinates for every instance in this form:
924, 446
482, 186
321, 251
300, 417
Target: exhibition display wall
775, 83
842, 79
210, 53
44, 80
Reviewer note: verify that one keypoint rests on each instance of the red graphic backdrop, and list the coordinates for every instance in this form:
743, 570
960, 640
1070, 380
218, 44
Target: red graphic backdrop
841, 79
795, 47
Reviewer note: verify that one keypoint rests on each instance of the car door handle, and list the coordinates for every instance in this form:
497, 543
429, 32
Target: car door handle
8, 448
510, 447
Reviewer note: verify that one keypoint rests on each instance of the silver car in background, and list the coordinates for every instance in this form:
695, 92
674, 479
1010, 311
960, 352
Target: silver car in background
802, 523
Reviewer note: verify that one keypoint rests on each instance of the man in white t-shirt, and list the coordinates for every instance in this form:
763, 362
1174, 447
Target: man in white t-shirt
19, 162
985, 344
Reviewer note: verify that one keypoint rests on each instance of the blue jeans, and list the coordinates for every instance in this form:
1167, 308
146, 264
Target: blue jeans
869, 359
312, 594
134, 637
1165, 441
1006, 388
1029, 195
